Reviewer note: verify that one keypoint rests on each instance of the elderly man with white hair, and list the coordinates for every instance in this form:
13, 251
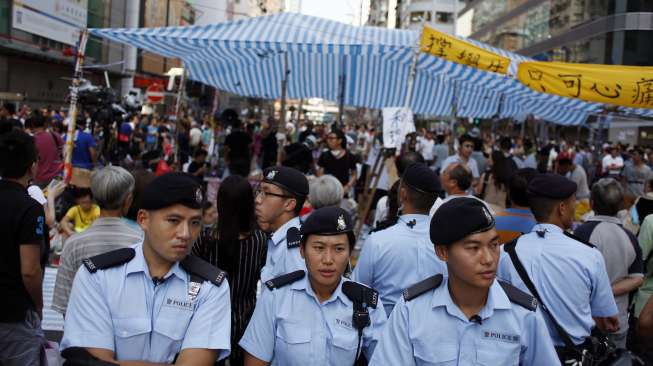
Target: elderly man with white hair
112, 189
328, 191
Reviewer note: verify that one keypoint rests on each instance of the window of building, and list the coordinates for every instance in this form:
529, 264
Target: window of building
443, 17
418, 16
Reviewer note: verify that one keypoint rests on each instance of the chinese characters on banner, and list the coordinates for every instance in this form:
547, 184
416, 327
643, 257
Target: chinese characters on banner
397, 123
629, 86
456, 50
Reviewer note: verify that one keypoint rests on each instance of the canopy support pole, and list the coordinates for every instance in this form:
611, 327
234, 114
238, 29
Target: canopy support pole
284, 87
74, 93
341, 93
180, 97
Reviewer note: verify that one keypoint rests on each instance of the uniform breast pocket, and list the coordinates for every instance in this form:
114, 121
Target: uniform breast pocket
344, 346
131, 335
432, 355
497, 353
169, 332
293, 344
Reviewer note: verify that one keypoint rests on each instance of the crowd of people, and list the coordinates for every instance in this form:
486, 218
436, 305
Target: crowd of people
234, 241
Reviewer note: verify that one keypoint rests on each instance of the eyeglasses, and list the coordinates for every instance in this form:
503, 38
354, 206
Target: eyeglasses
258, 191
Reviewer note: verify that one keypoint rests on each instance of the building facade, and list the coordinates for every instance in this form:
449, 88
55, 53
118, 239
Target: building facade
38, 39
438, 14
585, 31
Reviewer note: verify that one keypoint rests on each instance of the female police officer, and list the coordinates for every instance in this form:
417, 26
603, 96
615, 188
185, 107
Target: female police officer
466, 317
322, 318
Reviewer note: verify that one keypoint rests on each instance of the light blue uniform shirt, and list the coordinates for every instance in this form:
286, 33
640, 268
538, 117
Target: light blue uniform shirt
281, 260
290, 327
432, 330
569, 276
397, 257
120, 309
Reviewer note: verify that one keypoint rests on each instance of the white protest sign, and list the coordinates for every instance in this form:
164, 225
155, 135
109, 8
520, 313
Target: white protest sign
397, 123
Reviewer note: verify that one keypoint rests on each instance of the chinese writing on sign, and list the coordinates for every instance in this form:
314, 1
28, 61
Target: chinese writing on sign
597, 83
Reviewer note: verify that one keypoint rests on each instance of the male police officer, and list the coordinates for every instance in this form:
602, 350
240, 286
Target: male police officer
152, 303
401, 255
279, 199
569, 275
467, 317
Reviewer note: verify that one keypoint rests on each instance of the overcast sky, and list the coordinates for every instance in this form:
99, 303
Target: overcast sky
346, 11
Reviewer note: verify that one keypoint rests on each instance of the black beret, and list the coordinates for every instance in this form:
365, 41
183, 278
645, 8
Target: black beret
421, 178
171, 189
459, 217
290, 179
554, 186
329, 220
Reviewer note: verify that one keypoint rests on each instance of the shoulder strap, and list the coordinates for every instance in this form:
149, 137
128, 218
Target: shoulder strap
197, 266
284, 280
583, 241
422, 287
510, 248
385, 224
518, 296
359, 293
109, 259
293, 238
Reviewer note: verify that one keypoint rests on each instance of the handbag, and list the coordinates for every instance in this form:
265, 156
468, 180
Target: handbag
597, 350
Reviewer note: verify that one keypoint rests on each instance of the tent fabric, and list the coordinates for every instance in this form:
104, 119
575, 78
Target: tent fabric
249, 57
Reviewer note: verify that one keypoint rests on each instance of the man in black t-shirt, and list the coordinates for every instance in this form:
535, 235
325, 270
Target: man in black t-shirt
22, 226
238, 153
198, 167
337, 161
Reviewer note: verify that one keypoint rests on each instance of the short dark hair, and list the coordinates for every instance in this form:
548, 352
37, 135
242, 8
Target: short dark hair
464, 138
462, 176
407, 159
422, 201
542, 207
36, 119
200, 152
505, 143
9, 107
564, 161
299, 200
518, 184
17, 154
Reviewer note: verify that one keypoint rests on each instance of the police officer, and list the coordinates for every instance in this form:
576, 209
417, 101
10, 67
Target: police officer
467, 317
398, 256
153, 302
316, 317
279, 199
569, 275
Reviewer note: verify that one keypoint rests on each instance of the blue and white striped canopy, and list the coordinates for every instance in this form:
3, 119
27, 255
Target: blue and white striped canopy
248, 57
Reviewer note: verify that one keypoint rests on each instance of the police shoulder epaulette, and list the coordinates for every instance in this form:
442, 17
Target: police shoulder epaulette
422, 287
518, 296
197, 266
284, 280
293, 238
109, 259
360, 293
570, 235
385, 224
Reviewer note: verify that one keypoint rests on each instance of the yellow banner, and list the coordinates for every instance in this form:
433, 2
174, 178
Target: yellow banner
630, 86
456, 50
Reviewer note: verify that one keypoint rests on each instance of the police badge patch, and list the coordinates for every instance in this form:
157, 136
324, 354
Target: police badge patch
198, 195
271, 174
342, 225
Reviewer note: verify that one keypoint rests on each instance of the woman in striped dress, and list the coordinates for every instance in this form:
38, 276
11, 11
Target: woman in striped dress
236, 246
